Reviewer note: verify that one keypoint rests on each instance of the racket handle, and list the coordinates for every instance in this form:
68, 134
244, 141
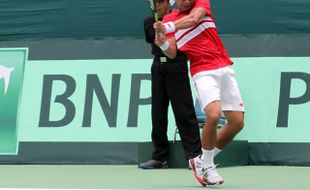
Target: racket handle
155, 17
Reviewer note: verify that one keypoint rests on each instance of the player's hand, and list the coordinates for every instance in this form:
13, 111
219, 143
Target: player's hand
159, 39
160, 27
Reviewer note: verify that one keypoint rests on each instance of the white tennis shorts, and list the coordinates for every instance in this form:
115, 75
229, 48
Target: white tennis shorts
219, 85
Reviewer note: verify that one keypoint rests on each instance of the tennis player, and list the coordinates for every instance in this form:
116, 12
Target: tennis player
191, 29
170, 84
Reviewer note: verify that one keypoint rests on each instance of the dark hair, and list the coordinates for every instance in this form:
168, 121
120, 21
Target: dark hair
159, 1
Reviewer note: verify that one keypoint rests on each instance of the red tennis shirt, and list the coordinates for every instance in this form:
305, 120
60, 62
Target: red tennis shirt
201, 43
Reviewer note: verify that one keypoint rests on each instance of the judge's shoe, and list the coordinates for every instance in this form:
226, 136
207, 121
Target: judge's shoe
154, 164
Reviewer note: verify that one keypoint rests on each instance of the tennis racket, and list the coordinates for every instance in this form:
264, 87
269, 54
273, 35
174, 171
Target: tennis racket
153, 9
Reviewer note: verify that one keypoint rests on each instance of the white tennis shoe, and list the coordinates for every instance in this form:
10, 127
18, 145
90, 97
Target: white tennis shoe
196, 164
211, 176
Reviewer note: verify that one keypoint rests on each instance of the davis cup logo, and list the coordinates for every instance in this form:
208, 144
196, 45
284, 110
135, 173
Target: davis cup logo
12, 61
5, 73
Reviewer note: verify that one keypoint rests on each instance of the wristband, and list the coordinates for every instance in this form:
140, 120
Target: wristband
164, 46
170, 27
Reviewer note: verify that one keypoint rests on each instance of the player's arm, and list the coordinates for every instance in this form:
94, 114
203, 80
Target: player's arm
187, 21
171, 52
190, 20
168, 46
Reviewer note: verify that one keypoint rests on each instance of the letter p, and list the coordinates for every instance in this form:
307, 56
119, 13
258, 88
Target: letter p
285, 90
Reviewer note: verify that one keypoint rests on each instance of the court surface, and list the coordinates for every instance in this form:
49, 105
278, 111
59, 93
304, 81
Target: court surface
125, 177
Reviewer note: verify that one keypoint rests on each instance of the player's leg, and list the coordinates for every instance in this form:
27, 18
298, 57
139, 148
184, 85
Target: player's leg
213, 114
208, 92
209, 138
234, 125
233, 108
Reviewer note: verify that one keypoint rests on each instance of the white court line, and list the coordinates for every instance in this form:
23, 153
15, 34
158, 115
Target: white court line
52, 189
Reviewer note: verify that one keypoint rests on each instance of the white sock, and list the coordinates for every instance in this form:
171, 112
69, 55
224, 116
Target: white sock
208, 158
216, 151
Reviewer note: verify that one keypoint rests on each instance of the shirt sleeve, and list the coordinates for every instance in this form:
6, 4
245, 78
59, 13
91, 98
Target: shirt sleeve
205, 4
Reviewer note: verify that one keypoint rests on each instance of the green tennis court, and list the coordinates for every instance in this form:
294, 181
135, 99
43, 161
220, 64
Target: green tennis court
125, 177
